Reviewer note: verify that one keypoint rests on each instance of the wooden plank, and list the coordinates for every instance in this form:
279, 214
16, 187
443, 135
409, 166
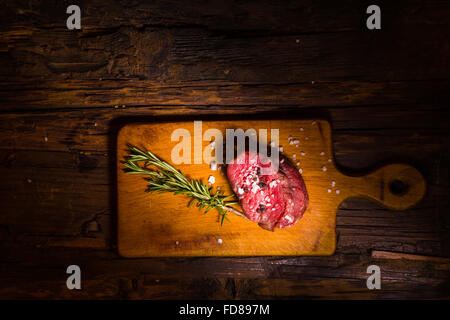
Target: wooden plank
294, 16
106, 277
191, 54
215, 95
376, 254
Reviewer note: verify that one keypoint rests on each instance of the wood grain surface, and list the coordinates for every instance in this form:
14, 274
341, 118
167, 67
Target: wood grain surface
384, 92
162, 225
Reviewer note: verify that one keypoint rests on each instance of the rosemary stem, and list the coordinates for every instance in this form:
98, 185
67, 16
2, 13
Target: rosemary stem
236, 212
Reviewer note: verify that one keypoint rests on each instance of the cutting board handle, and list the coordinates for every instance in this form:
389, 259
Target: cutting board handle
396, 186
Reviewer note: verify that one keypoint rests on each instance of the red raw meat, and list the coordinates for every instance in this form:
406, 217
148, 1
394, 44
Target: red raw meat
277, 199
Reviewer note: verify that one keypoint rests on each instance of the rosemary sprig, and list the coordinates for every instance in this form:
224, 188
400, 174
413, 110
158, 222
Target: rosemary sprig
163, 177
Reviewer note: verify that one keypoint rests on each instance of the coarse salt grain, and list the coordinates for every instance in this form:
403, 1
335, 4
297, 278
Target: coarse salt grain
329, 160
322, 153
329, 190
338, 191
219, 241
177, 242
294, 155
290, 138
313, 123
302, 153
300, 170
211, 179
301, 129
213, 165
306, 138
280, 148
324, 168
333, 183
45, 139
298, 163
289, 218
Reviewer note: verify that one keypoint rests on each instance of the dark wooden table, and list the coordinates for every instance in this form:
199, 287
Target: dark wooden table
65, 93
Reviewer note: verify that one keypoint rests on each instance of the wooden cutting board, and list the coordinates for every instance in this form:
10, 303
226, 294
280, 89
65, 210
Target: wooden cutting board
156, 225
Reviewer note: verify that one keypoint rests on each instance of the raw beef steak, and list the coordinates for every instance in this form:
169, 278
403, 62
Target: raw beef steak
276, 199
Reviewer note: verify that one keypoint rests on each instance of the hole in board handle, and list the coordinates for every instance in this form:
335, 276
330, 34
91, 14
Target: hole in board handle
398, 187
